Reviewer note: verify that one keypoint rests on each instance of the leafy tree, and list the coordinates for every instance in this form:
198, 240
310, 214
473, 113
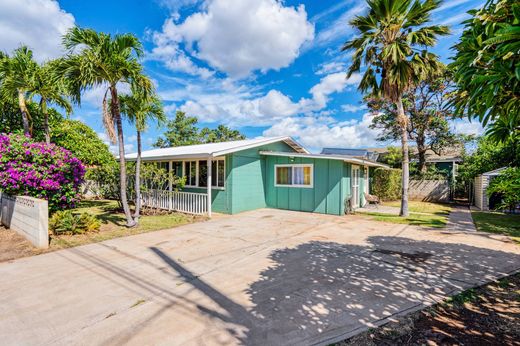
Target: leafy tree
391, 44
426, 106
487, 63
140, 109
221, 134
51, 88
507, 187
183, 131
16, 80
393, 157
99, 59
82, 142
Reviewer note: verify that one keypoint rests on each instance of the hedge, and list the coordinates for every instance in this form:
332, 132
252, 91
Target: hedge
386, 184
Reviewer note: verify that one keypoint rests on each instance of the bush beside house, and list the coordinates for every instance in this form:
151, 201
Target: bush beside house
386, 184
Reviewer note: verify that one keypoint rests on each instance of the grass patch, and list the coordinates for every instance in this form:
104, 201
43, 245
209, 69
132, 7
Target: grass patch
499, 223
424, 214
113, 224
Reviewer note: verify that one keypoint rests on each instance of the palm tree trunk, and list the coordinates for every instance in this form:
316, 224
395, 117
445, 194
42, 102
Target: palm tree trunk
122, 164
403, 121
138, 179
46, 130
25, 113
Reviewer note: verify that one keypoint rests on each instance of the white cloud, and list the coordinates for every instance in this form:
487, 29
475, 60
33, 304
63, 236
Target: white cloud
38, 24
94, 96
464, 126
235, 37
331, 67
236, 105
114, 148
319, 132
348, 108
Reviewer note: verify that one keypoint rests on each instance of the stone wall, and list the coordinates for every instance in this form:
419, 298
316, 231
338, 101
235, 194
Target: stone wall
26, 216
429, 190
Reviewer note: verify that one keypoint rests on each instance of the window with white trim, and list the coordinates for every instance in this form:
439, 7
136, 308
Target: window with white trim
196, 173
294, 175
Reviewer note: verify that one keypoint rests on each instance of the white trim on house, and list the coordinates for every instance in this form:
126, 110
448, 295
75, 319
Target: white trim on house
303, 165
353, 160
203, 151
197, 173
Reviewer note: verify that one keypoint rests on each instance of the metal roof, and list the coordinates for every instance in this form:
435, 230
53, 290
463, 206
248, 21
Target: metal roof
495, 171
211, 149
344, 158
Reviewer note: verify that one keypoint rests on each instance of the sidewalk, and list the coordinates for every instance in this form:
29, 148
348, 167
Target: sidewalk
460, 220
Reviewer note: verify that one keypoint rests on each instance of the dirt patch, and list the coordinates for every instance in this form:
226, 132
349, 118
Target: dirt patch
488, 315
13, 245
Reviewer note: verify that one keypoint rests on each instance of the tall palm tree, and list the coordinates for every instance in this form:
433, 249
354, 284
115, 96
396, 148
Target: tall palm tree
99, 59
51, 88
391, 48
139, 110
16, 79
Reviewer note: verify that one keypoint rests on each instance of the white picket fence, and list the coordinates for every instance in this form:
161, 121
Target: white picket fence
185, 202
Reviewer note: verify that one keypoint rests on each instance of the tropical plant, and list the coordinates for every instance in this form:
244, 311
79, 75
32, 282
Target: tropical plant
99, 59
386, 184
426, 106
67, 222
40, 170
506, 186
17, 75
51, 88
487, 63
139, 110
391, 45
82, 141
183, 131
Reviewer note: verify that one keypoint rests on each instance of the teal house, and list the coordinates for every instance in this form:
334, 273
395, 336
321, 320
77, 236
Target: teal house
237, 176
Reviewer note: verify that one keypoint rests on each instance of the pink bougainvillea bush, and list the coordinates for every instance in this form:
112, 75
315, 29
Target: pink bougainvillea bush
40, 170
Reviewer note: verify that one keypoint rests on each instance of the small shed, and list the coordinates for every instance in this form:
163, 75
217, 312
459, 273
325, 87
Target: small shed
480, 196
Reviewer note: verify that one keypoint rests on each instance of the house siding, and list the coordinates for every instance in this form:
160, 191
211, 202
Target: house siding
330, 187
248, 177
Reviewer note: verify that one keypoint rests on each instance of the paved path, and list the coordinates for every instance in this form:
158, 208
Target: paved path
267, 277
460, 220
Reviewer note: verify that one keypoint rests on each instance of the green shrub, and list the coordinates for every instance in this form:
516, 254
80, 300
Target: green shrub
66, 222
386, 184
507, 187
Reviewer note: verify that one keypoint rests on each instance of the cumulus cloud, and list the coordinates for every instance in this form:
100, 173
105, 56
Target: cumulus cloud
466, 127
114, 148
234, 36
319, 132
235, 105
38, 24
348, 108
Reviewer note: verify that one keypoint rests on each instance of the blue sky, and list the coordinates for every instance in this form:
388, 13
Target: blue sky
265, 67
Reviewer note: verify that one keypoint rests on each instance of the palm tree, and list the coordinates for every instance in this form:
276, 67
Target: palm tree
51, 88
16, 79
98, 59
388, 47
139, 109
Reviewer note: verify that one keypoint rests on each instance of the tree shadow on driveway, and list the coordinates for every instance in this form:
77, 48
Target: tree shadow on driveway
321, 292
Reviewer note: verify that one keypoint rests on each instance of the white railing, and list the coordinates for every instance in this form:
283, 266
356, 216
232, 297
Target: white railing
186, 202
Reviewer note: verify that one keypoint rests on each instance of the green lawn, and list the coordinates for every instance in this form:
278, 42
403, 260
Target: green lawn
421, 214
499, 223
113, 224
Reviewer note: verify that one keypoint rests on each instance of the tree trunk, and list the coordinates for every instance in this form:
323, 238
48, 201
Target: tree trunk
138, 179
46, 130
403, 122
421, 153
25, 113
122, 164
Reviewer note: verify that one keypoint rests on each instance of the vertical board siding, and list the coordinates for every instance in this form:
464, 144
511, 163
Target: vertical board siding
249, 177
326, 196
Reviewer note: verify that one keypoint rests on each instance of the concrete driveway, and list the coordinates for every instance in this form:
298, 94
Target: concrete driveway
267, 277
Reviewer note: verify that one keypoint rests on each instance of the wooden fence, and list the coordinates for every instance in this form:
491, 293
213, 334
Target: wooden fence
185, 202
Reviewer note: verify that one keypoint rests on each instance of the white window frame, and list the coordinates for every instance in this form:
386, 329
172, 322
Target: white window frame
310, 165
213, 179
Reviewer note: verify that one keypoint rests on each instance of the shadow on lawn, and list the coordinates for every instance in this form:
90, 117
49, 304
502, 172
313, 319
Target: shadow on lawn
322, 291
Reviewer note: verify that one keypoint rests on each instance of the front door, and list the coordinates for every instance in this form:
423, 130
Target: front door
355, 186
